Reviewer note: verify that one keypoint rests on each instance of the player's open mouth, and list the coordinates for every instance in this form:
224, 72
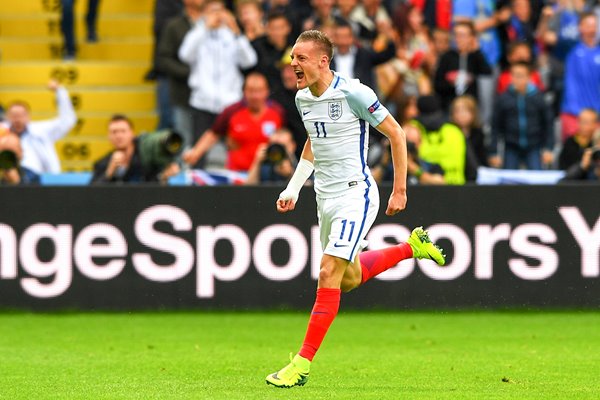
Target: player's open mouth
299, 74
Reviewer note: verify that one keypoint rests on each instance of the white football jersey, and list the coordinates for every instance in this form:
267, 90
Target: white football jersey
337, 124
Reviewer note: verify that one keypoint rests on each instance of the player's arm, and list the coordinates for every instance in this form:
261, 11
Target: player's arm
288, 198
394, 132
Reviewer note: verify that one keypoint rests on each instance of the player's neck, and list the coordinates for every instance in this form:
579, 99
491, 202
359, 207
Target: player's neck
320, 86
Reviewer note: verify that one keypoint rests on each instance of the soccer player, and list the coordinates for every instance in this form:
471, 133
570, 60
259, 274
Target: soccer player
335, 111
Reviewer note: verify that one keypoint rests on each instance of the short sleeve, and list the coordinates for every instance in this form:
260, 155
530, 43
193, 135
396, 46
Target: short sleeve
364, 104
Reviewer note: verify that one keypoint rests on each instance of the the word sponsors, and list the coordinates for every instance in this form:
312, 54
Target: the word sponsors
100, 251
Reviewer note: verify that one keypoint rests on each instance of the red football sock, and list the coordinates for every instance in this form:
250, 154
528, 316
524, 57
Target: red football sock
323, 313
375, 262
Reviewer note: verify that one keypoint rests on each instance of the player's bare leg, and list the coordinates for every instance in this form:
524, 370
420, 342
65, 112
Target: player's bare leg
352, 276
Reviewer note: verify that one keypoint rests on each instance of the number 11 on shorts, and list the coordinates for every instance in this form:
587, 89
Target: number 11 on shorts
351, 223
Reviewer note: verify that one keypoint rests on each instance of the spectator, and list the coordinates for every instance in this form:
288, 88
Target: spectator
415, 60
38, 138
575, 146
321, 16
520, 27
459, 69
485, 17
418, 171
11, 153
523, 121
245, 124
371, 18
558, 32
125, 163
582, 76
176, 70
274, 161
343, 12
437, 13
67, 26
440, 41
589, 167
465, 114
442, 143
250, 14
518, 52
296, 12
356, 62
286, 97
271, 47
164, 10
216, 51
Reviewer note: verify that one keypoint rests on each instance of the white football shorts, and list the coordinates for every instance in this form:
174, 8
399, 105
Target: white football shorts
345, 220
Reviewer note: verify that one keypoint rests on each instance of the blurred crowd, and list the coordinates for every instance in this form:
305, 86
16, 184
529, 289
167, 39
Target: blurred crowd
507, 84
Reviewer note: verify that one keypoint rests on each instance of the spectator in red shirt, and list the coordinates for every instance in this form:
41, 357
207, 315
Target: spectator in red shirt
519, 52
245, 125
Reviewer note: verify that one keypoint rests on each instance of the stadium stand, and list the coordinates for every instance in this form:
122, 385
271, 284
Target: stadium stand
106, 77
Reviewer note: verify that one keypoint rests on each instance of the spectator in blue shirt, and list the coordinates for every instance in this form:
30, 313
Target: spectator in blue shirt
582, 76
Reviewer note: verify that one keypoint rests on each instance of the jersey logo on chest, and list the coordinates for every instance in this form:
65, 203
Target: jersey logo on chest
335, 110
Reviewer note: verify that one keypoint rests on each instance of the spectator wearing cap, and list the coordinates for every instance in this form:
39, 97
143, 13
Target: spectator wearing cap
442, 143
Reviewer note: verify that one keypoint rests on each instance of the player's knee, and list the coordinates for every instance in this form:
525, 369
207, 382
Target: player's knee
326, 275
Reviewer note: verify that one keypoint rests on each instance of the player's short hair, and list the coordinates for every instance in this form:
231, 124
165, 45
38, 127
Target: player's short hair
119, 118
19, 103
318, 37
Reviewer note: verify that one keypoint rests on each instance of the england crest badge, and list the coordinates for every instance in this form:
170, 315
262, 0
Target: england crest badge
335, 110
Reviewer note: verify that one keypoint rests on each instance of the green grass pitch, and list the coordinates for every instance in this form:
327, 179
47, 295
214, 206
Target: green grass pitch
395, 355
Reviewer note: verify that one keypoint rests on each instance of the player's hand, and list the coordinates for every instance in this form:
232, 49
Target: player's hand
286, 201
396, 203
